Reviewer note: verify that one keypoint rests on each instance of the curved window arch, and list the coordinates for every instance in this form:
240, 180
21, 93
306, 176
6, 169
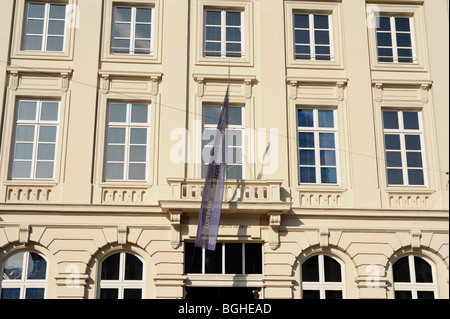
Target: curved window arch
122, 277
414, 278
322, 277
24, 276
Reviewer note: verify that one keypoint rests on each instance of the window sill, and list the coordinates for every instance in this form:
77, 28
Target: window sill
42, 55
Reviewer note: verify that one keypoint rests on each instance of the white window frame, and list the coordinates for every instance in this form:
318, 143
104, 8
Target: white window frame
322, 285
401, 131
413, 286
317, 130
223, 35
45, 27
393, 35
121, 284
127, 126
23, 284
230, 127
311, 29
37, 123
133, 29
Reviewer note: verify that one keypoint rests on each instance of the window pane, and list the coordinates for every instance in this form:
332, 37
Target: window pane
423, 270
392, 142
233, 156
23, 151
320, 21
233, 258
34, 293
116, 135
213, 260
306, 140
35, 27
384, 24
311, 294
328, 175
121, 46
27, 111
234, 137
403, 295
411, 120
13, 267
395, 176
10, 293
47, 134
133, 267
139, 113
116, 153
138, 153
401, 270
33, 43
323, 53
301, 21
211, 115
137, 172
307, 157
234, 172
253, 258
25, 133
233, 34
404, 40
192, 259
138, 136
55, 43
49, 111
393, 159
142, 46
57, 11
305, 118
235, 116
143, 15
44, 170
21, 169
425, 295
37, 267
414, 159
302, 52
326, 118
322, 37
122, 30
114, 171
416, 177
46, 152
413, 142
213, 33
332, 270
307, 175
390, 120
328, 158
212, 49
234, 18
310, 269
302, 36
118, 113
123, 14
402, 24
143, 30
132, 294
36, 10
110, 268
56, 27
232, 48
213, 17
109, 293
384, 39
327, 140
333, 294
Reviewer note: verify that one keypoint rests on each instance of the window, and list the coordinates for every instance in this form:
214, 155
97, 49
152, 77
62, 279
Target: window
44, 27
234, 139
24, 276
403, 142
228, 258
313, 37
127, 142
322, 278
35, 141
395, 39
414, 279
132, 30
122, 277
223, 33
317, 146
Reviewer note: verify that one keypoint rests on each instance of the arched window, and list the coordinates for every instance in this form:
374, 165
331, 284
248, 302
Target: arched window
322, 278
24, 276
414, 279
122, 277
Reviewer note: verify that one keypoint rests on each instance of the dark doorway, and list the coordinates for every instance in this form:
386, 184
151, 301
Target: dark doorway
221, 293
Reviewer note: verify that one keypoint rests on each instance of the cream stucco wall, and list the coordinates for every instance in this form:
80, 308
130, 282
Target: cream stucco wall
78, 219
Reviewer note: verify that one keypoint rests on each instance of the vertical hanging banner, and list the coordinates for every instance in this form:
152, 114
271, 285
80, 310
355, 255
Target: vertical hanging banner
211, 208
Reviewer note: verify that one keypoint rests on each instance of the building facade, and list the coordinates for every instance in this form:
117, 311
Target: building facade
337, 161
